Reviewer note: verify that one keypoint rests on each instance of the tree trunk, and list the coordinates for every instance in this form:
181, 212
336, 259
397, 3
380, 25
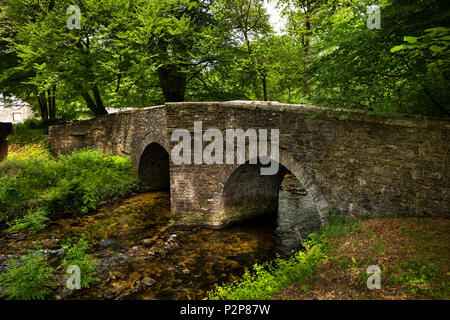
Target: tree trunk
262, 73
99, 103
92, 105
173, 83
435, 102
306, 42
54, 102
264, 87
305, 67
51, 104
42, 101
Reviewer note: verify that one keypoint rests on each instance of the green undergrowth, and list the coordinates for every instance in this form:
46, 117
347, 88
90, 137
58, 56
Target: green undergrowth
267, 279
27, 278
75, 254
36, 186
32, 277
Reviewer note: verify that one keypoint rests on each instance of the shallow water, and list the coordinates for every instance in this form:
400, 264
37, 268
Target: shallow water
140, 255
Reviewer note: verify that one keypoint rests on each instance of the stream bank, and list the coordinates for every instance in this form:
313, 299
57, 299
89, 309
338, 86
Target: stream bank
141, 255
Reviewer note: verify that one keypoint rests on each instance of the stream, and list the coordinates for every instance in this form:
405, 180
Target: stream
141, 255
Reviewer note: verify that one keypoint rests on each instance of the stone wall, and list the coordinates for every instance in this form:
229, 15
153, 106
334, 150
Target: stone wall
125, 133
364, 165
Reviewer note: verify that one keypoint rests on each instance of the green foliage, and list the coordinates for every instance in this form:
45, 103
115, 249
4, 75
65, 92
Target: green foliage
435, 39
25, 136
34, 220
27, 278
122, 47
75, 255
344, 117
375, 77
418, 276
363, 276
337, 227
68, 184
139, 53
30, 124
68, 113
267, 279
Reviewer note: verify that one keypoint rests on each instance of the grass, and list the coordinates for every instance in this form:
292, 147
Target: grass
28, 278
36, 186
267, 279
412, 255
32, 277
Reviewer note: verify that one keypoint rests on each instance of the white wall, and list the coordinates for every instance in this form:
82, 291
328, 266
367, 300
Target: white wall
14, 110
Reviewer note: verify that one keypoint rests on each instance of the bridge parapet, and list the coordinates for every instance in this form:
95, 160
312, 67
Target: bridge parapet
363, 165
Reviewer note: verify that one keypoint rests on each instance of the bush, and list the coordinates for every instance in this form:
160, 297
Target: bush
68, 184
30, 124
75, 255
67, 114
35, 220
26, 136
28, 278
268, 278
90, 177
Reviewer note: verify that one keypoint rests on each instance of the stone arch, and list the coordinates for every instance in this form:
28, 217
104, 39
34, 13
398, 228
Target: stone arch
246, 193
154, 168
307, 179
151, 137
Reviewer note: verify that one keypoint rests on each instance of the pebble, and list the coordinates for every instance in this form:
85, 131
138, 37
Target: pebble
105, 243
148, 281
147, 242
186, 271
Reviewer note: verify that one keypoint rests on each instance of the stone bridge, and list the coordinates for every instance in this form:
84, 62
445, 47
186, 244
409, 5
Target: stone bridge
361, 166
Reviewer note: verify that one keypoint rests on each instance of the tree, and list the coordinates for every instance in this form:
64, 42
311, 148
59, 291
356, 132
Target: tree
15, 80
75, 60
179, 39
354, 67
144, 52
306, 20
250, 21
